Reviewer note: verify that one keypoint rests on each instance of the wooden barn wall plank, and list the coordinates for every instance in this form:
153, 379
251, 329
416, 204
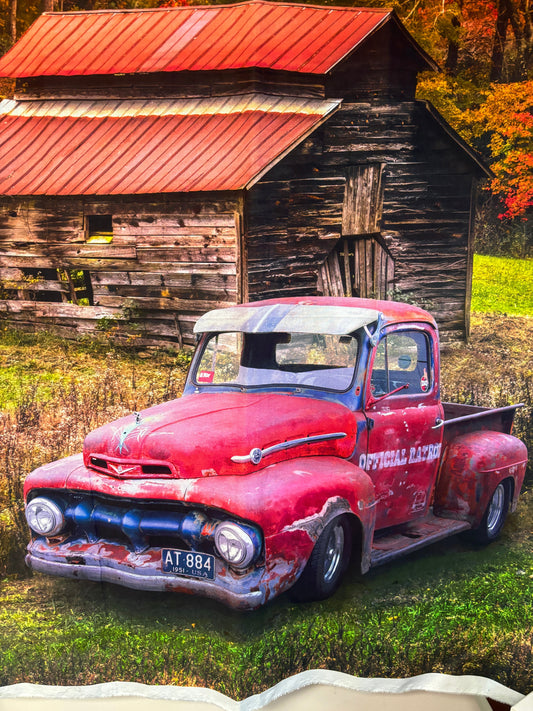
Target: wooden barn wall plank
426, 208
168, 84
169, 261
287, 242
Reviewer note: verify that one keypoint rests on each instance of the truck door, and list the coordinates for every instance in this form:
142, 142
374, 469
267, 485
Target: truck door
402, 407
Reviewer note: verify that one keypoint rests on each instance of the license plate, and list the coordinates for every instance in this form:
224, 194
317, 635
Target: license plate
191, 563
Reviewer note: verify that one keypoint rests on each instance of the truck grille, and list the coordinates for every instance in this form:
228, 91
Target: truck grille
127, 469
136, 524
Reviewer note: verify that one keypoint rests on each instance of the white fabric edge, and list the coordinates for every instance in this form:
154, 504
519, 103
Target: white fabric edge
526, 704
433, 682
117, 689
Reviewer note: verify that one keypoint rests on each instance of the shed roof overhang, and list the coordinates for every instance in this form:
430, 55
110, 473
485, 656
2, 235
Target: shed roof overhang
156, 146
481, 168
254, 34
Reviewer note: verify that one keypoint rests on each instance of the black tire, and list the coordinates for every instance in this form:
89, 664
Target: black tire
327, 564
494, 516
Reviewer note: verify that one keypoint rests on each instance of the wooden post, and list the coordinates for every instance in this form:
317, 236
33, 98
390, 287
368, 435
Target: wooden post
347, 275
242, 254
470, 257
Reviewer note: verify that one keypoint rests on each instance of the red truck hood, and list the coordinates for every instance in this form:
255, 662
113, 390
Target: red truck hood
197, 435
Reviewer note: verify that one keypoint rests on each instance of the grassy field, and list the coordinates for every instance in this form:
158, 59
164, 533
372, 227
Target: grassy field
452, 608
502, 285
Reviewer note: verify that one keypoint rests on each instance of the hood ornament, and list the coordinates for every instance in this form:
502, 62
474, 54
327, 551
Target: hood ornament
122, 446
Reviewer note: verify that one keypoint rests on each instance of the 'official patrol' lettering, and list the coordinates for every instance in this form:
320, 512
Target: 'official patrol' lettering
398, 457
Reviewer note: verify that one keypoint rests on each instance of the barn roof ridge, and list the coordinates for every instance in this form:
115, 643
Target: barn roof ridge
185, 8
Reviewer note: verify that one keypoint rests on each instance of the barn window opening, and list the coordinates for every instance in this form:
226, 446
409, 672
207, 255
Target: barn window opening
39, 285
79, 287
99, 229
51, 285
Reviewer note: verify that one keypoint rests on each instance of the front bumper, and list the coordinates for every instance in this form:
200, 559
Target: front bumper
113, 563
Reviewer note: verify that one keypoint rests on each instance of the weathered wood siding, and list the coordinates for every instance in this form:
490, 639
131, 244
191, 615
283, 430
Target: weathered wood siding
176, 85
386, 69
171, 259
292, 226
425, 217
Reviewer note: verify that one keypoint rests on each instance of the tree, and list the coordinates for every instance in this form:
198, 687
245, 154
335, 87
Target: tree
13, 21
505, 122
516, 15
498, 121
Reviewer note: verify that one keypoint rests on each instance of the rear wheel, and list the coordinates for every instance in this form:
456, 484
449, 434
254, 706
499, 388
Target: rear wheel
495, 515
327, 563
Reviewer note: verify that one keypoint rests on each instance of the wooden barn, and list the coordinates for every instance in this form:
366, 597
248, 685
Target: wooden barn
158, 163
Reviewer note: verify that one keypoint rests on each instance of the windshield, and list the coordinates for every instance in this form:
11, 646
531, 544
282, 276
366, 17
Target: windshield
256, 359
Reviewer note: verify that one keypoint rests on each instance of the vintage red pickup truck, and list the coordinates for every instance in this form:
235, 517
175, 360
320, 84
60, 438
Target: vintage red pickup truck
310, 435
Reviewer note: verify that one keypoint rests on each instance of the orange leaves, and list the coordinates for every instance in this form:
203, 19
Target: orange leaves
498, 121
505, 121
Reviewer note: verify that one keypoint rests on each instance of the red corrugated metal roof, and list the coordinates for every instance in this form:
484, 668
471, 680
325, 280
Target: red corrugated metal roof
298, 38
133, 147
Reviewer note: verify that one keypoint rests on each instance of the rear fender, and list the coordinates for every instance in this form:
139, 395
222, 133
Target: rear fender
473, 465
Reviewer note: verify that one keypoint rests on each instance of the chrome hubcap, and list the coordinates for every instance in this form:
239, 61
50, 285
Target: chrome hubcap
495, 509
334, 549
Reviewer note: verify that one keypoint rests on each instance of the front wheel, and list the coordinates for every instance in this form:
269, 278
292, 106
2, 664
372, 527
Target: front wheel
327, 563
495, 515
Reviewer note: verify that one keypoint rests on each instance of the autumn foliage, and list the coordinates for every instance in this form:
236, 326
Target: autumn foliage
505, 121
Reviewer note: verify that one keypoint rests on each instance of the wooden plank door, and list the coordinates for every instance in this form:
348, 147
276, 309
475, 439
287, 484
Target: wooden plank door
358, 266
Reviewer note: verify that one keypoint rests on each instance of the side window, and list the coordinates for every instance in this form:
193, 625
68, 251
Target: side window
402, 359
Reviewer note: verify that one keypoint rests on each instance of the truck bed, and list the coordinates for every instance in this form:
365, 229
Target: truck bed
461, 419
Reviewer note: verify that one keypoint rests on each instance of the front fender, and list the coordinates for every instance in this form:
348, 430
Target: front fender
473, 466
292, 502
282, 494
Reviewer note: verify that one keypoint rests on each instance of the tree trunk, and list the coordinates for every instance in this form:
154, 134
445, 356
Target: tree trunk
13, 20
47, 5
520, 67
452, 56
498, 45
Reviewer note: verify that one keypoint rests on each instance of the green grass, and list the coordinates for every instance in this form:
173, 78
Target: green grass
453, 608
502, 285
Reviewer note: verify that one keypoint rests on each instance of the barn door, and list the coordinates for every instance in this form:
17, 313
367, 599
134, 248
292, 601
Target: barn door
358, 266
361, 263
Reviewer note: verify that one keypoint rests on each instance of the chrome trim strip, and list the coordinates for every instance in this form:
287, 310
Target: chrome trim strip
256, 453
479, 415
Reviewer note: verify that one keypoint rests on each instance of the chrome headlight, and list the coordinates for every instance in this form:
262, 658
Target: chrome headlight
239, 545
44, 517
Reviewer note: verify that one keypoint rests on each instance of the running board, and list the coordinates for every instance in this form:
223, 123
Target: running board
411, 537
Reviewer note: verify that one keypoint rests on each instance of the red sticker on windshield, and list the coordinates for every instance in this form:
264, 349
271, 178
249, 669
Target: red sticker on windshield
205, 376
424, 381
